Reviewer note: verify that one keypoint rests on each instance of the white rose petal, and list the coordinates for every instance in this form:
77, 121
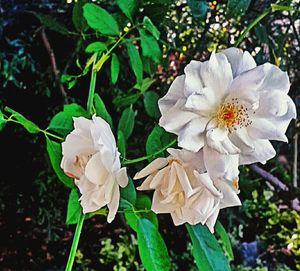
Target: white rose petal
228, 106
90, 155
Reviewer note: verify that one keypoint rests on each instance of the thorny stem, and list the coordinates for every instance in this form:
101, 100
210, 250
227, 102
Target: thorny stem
75, 243
139, 159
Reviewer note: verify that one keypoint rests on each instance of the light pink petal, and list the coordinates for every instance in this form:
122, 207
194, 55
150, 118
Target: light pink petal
152, 167
158, 207
261, 128
122, 178
263, 151
159, 177
174, 94
240, 61
191, 136
275, 79
146, 184
95, 170
113, 205
183, 179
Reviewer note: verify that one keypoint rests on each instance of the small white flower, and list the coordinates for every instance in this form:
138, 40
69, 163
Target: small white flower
91, 157
229, 107
184, 191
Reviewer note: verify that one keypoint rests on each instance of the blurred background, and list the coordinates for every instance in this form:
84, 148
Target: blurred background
41, 49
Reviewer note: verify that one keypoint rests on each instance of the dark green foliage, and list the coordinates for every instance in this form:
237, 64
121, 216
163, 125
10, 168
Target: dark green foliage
206, 250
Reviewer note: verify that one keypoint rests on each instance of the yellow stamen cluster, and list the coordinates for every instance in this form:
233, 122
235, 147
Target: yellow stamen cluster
232, 115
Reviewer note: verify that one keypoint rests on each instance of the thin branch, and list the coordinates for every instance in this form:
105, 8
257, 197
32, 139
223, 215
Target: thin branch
53, 64
295, 204
295, 164
268, 176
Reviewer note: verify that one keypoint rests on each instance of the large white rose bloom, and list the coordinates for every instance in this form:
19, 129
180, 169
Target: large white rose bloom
229, 107
182, 190
91, 157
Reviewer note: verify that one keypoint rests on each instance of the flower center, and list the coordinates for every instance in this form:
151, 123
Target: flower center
232, 115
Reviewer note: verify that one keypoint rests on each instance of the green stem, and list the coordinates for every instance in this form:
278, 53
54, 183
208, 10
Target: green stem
52, 135
250, 26
273, 8
75, 243
92, 87
139, 159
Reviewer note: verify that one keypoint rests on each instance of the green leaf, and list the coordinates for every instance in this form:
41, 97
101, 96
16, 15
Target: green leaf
114, 68
146, 84
101, 110
121, 144
26, 123
55, 155
74, 208
62, 122
135, 61
150, 47
128, 7
126, 123
142, 209
151, 104
207, 252
96, 46
144, 202
237, 8
2, 121
100, 20
151, 27
157, 139
129, 193
198, 8
261, 33
123, 101
51, 23
77, 16
152, 248
224, 239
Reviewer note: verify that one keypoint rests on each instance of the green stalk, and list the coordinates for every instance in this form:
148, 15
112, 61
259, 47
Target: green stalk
92, 86
250, 26
273, 8
75, 243
139, 159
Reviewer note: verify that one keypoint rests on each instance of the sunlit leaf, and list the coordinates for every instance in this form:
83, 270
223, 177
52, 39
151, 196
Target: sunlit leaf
220, 230
151, 104
101, 110
96, 46
152, 248
62, 122
26, 123
55, 155
207, 252
128, 7
74, 208
100, 20
126, 123
135, 61
150, 47
114, 68
151, 27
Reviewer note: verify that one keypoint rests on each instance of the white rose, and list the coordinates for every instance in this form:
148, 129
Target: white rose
91, 157
184, 191
230, 108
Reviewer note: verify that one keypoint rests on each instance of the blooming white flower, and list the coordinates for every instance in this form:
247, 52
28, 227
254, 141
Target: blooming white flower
91, 157
184, 191
229, 107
